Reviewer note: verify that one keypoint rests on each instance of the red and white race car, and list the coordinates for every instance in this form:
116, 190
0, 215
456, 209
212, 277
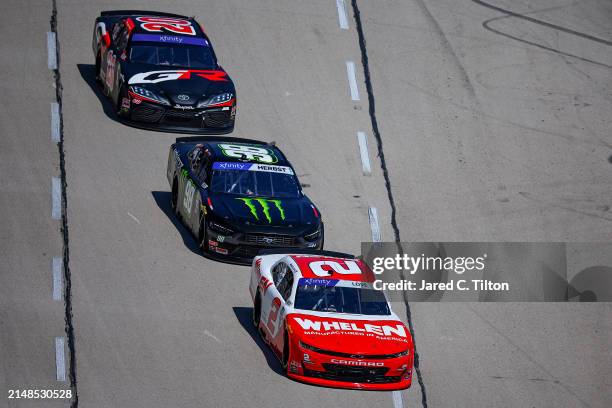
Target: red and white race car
326, 323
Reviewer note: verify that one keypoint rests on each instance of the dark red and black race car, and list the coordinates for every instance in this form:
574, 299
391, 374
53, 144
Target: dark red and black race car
161, 72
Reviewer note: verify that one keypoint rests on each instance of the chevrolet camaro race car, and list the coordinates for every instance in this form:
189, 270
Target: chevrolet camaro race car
160, 71
326, 323
238, 196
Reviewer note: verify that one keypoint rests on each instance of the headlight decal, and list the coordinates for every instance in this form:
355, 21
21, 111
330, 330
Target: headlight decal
223, 99
144, 93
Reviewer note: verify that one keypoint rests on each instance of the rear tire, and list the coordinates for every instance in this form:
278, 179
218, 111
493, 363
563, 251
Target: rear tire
256, 311
174, 197
98, 66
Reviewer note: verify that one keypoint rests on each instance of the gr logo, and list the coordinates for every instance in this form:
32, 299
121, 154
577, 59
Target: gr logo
265, 206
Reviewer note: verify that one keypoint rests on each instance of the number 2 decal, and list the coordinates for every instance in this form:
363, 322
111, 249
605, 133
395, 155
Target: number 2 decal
188, 200
273, 315
157, 24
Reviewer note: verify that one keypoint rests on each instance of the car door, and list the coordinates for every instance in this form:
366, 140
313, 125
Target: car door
189, 198
274, 302
109, 59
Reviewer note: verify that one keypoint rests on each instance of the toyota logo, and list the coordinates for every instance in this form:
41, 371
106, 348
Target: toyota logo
268, 240
183, 97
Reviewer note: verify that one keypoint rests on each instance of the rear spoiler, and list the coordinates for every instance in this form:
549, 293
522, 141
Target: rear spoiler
305, 251
110, 13
204, 139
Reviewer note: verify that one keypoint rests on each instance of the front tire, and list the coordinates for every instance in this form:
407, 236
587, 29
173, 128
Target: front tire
202, 234
285, 359
121, 111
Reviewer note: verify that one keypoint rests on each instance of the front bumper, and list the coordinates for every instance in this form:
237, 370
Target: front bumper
147, 115
243, 247
341, 372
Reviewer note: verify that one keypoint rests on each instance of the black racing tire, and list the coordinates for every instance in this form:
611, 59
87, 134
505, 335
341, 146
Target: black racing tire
122, 94
174, 197
256, 317
202, 234
285, 359
98, 67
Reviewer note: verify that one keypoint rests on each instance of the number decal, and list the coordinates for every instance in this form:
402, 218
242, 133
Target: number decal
174, 25
110, 70
322, 268
188, 200
252, 153
273, 315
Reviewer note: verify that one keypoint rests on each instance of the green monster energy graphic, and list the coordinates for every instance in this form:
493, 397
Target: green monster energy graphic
264, 203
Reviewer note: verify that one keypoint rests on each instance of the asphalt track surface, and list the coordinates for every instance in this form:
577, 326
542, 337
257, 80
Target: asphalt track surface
494, 119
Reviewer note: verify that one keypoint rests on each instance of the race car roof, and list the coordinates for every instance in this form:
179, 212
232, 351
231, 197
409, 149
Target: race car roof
220, 152
151, 24
324, 267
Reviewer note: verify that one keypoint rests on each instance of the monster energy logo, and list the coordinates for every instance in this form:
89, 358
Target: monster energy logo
265, 206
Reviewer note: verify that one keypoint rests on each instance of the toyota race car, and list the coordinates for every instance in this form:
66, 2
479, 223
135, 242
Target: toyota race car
160, 71
326, 323
238, 196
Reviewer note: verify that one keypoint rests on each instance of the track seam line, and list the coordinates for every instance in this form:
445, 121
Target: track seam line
69, 327
383, 165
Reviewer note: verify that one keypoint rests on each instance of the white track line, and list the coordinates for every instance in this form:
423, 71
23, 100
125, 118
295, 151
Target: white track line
55, 122
342, 20
60, 361
362, 139
51, 51
56, 198
57, 278
373, 216
397, 400
350, 71
133, 217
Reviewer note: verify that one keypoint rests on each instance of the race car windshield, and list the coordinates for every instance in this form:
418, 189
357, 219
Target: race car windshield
255, 183
173, 55
341, 299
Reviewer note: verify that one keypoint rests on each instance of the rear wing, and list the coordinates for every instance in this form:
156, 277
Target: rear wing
305, 251
204, 139
115, 13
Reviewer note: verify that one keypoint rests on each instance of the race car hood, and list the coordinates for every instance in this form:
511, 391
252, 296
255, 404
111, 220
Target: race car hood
350, 335
184, 87
268, 212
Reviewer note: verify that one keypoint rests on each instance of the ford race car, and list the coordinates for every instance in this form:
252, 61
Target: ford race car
238, 196
161, 72
326, 323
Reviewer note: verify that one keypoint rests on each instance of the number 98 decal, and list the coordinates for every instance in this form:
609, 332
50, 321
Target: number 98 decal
252, 153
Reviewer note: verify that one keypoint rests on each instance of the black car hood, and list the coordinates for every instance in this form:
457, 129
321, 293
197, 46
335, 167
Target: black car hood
181, 86
265, 212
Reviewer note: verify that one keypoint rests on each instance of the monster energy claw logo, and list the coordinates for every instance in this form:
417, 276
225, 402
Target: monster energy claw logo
265, 206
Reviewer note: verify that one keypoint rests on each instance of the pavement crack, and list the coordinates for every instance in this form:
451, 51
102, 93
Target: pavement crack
69, 327
385, 171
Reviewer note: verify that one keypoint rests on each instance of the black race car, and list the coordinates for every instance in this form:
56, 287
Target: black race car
160, 71
239, 196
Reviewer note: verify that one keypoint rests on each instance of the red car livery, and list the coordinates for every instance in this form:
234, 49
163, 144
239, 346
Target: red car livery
327, 324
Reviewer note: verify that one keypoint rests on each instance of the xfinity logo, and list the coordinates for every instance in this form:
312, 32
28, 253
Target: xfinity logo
358, 363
